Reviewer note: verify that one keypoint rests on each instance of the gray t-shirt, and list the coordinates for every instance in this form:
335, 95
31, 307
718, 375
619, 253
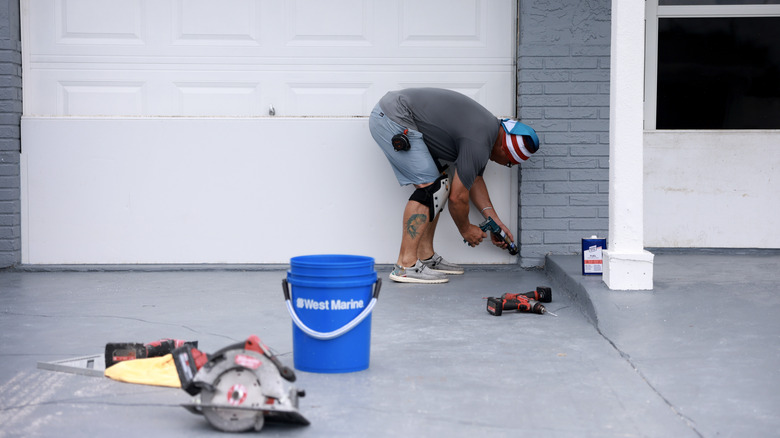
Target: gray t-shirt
455, 127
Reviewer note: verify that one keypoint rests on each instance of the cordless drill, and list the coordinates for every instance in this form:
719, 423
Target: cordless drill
521, 302
497, 306
490, 225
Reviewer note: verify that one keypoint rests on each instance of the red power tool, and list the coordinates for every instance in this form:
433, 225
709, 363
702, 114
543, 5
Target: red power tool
121, 351
239, 387
541, 293
528, 302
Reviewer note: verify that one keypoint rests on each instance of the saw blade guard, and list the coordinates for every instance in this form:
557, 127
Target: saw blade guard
242, 386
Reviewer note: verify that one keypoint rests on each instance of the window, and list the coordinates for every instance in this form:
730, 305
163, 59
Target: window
713, 65
717, 2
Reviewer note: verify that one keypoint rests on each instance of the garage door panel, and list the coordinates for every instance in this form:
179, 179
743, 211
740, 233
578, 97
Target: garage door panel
257, 190
98, 97
295, 46
334, 23
248, 94
209, 98
208, 22
121, 22
443, 23
323, 98
359, 28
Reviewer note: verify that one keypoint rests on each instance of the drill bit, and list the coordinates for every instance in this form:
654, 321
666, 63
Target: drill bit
544, 310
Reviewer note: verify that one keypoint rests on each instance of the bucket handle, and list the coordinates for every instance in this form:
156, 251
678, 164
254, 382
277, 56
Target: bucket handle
324, 336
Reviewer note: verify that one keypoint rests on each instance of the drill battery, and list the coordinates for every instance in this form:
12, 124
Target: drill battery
497, 306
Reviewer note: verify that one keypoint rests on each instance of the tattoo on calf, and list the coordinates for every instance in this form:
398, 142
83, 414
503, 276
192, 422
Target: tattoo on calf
414, 223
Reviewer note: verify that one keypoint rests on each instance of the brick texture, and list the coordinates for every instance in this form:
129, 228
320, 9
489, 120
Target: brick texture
10, 145
563, 92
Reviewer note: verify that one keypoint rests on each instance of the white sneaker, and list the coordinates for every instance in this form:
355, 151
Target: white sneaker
438, 264
419, 273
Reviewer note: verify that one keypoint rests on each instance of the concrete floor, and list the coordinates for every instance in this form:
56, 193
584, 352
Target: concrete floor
699, 356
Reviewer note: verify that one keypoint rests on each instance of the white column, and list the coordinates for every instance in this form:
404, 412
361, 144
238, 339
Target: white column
627, 266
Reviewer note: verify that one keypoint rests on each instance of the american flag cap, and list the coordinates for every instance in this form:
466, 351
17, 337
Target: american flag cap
521, 140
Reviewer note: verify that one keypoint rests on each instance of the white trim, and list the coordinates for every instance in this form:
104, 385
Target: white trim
651, 64
628, 265
24, 27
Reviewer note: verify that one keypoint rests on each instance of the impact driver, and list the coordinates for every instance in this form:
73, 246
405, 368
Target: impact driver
489, 225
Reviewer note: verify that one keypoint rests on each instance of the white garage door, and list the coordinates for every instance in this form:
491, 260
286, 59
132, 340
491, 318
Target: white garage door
234, 131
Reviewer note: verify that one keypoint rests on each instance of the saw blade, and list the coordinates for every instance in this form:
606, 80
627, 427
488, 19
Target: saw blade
235, 403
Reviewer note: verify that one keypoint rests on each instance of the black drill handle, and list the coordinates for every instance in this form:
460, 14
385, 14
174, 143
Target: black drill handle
519, 304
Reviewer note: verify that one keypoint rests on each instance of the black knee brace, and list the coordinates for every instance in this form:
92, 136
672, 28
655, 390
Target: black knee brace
433, 196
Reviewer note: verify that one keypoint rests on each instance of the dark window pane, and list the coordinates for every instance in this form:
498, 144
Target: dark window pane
718, 73
717, 2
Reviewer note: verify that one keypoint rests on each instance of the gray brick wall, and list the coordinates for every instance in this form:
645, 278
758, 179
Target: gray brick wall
563, 92
10, 145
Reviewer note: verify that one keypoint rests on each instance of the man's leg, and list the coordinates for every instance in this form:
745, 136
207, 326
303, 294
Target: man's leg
428, 255
423, 242
425, 246
415, 227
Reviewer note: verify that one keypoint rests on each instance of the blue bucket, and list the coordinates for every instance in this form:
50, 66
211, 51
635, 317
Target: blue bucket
330, 306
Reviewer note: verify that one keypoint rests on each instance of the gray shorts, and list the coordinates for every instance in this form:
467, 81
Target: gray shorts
415, 166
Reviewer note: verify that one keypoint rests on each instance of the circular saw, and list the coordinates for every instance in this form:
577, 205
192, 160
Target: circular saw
239, 387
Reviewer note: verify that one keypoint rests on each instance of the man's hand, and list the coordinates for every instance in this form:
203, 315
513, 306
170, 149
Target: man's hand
473, 235
496, 239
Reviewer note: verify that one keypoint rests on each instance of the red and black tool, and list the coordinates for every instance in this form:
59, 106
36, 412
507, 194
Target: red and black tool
528, 302
121, 351
239, 387
541, 293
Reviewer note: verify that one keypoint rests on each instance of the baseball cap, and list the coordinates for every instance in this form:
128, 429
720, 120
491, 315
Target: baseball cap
521, 140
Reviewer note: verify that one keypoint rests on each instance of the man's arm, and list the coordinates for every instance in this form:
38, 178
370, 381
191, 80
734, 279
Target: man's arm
481, 199
459, 210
